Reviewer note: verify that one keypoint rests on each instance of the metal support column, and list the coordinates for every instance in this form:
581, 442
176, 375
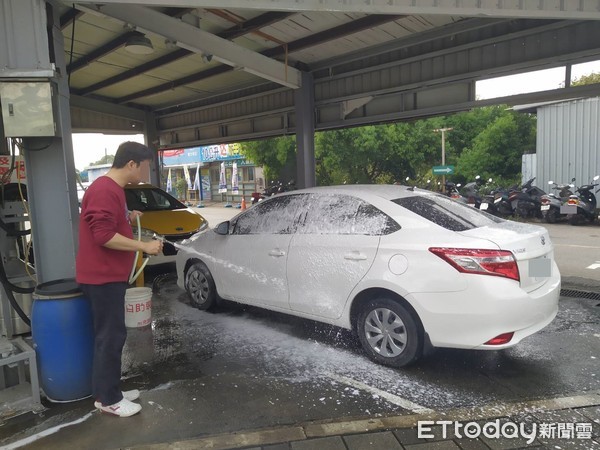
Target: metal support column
151, 141
50, 167
304, 99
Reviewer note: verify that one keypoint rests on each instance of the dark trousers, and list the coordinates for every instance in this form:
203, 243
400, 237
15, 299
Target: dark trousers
108, 309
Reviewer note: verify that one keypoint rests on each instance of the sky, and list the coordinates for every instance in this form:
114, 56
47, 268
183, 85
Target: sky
90, 147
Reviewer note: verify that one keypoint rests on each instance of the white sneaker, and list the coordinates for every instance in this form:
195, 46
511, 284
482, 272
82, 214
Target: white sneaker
132, 395
124, 408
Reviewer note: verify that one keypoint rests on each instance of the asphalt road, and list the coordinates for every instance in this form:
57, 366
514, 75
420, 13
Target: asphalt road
577, 252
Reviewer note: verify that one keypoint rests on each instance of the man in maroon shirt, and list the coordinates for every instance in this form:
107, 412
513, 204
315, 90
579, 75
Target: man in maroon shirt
103, 264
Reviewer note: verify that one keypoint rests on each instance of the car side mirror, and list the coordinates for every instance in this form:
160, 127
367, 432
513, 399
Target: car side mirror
222, 228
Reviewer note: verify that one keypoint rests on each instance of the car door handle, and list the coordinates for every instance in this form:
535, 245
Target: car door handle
276, 252
355, 256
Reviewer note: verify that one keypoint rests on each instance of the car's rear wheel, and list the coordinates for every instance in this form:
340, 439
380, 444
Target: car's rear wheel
389, 333
200, 286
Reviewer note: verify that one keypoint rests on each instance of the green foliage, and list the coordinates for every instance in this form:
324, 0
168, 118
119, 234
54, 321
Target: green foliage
181, 187
497, 150
276, 155
591, 78
486, 141
106, 159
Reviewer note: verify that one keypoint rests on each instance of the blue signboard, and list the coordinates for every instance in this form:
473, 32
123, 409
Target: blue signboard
205, 154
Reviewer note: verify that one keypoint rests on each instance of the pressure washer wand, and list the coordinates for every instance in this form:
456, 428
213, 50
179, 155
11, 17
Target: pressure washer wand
161, 238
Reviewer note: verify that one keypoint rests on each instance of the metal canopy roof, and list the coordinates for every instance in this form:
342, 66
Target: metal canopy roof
212, 53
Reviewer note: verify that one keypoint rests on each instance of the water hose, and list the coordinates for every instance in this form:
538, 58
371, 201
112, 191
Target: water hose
134, 275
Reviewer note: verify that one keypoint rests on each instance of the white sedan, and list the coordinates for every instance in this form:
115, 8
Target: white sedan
406, 269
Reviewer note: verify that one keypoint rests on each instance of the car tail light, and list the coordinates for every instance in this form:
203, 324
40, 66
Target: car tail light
500, 263
503, 338
513, 196
545, 201
455, 196
573, 201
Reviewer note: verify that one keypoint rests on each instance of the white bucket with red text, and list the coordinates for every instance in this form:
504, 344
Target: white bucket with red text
138, 307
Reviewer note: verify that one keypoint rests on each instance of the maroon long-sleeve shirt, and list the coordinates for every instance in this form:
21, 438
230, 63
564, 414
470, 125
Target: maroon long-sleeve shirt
103, 214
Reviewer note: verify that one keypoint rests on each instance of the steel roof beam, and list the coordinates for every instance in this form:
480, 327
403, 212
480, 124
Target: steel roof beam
353, 27
68, 17
540, 9
231, 33
199, 41
113, 44
342, 30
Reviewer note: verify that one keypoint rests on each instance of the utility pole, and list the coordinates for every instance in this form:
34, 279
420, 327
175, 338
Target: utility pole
443, 131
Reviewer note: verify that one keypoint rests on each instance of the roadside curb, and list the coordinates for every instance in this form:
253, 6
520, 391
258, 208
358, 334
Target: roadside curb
324, 429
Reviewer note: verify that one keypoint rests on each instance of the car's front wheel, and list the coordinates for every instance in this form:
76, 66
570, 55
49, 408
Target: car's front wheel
200, 286
388, 332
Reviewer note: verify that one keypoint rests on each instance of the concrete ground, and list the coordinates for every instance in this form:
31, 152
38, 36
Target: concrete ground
249, 379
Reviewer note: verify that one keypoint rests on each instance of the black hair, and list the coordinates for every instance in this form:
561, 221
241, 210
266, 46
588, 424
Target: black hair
131, 151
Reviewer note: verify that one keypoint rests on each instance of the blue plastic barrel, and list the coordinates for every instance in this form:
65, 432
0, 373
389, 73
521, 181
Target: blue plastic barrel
62, 331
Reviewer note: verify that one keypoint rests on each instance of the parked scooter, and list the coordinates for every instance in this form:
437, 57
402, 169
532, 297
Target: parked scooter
452, 191
582, 206
527, 200
471, 192
502, 202
496, 202
276, 187
551, 203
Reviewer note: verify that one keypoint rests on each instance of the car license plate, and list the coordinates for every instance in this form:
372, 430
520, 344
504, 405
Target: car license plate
545, 207
540, 268
483, 206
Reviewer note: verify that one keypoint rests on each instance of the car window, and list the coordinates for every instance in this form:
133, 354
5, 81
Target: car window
151, 199
277, 215
447, 213
344, 214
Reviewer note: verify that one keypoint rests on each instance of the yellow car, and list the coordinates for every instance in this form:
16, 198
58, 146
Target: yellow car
163, 215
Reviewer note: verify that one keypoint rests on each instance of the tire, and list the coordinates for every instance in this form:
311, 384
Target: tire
550, 216
574, 219
389, 333
200, 286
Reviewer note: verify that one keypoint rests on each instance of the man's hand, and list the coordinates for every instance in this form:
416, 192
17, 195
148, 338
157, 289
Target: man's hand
134, 214
153, 247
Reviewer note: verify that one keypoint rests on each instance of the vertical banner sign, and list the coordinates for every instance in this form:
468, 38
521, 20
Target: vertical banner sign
169, 184
186, 174
234, 179
197, 184
222, 180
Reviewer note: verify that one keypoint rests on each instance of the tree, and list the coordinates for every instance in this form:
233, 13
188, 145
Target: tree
373, 154
591, 78
496, 151
276, 155
106, 159
486, 141
182, 187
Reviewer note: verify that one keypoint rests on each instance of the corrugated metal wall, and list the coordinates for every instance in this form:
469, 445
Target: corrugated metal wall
568, 142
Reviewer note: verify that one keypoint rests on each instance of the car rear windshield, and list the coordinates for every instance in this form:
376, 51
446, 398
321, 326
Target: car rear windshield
447, 213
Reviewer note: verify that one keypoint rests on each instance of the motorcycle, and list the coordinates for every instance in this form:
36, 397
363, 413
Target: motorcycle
551, 203
526, 201
471, 192
582, 206
276, 187
452, 191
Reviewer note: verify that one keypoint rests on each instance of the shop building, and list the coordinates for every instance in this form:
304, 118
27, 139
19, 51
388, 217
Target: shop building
208, 171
